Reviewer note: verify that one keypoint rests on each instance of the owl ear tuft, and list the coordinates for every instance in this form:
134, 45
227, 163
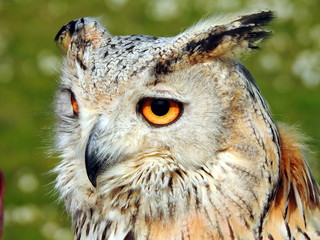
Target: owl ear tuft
81, 31
216, 38
227, 38
63, 37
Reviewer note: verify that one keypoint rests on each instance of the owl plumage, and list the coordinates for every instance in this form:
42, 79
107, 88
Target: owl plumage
170, 138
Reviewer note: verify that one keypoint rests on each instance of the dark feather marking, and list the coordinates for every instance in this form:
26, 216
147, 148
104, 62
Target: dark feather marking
288, 230
170, 183
88, 229
195, 190
70, 27
259, 19
130, 191
83, 220
287, 205
246, 223
254, 36
303, 233
188, 196
205, 45
180, 172
269, 179
164, 67
265, 212
104, 233
162, 177
129, 236
204, 170
106, 228
304, 218
215, 39
270, 237
108, 224
130, 48
91, 213
83, 67
230, 230
148, 177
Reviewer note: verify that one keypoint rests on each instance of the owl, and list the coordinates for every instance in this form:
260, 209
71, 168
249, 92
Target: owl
170, 138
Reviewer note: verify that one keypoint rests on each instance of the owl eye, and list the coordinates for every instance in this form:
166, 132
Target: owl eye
159, 111
74, 104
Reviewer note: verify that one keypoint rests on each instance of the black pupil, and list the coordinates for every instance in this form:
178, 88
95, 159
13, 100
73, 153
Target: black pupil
160, 107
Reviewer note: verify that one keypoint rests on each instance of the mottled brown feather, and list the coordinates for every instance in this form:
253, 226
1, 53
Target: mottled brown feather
296, 205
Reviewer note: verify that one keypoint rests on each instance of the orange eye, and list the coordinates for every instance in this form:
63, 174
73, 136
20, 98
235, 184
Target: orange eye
74, 104
160, 111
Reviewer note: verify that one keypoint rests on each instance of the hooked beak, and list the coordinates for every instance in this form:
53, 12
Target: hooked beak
94, 164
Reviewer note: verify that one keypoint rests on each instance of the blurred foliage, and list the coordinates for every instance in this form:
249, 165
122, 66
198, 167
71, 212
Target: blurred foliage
287, 71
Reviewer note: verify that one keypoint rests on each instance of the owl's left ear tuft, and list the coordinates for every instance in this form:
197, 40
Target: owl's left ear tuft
81, 31
226, 38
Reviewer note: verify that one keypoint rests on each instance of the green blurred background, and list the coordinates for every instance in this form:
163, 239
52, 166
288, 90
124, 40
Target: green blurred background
287, 70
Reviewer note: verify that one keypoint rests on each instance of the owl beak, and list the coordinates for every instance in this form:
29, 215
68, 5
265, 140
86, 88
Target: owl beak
94, 164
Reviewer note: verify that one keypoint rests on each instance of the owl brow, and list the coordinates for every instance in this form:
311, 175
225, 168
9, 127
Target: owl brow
164, 67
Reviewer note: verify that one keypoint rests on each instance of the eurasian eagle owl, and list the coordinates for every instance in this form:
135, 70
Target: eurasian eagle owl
170, 138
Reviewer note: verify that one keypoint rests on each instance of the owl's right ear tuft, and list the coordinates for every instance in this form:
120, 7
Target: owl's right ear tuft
63, 37
82, 32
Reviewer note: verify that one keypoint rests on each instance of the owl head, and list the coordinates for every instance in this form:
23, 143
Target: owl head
152, 121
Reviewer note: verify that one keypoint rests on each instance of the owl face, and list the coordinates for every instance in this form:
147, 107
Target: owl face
160, 117
144, 113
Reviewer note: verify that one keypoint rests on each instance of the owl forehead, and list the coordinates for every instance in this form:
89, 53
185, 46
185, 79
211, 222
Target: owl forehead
130, 55
119, 61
